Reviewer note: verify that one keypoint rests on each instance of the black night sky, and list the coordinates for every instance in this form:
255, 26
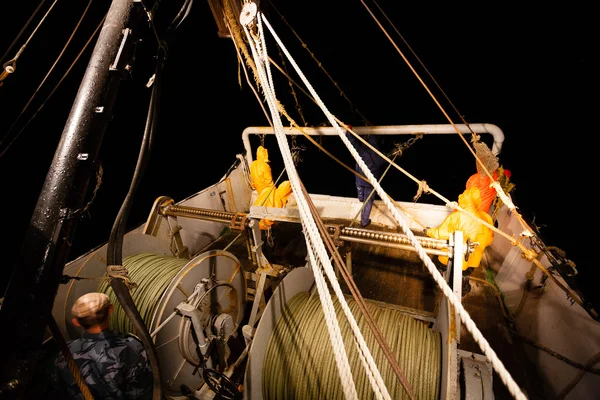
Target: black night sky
531, 72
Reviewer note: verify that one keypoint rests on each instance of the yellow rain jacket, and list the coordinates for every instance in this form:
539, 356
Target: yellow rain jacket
273, 198
472, 229
260, 171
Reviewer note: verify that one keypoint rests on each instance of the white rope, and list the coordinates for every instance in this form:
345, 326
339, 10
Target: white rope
505, 376
313, 238
365, 355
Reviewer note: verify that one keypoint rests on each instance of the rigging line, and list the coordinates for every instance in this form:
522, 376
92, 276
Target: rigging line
371, 370
337, 258
491, 355
435, 100
305, 46
68, 357
237, 50
39, 7
314, 242
293, 92
364, 203
183, 13
584, 367
452, 205
16, 57
150, 15
53, 65
52, 92
307, 136
499, 189
424, 67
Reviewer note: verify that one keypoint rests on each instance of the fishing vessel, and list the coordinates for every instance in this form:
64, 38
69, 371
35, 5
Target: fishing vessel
235, 297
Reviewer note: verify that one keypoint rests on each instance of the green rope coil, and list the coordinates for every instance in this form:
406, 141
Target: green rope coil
299, 361
152, 273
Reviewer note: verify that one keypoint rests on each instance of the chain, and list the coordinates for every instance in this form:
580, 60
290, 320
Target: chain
296, 151
400, 147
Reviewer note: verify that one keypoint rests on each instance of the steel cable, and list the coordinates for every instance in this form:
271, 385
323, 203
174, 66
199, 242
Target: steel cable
153, 273
299, 361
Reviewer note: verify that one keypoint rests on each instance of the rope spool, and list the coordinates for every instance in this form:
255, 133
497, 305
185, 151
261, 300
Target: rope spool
152, 273
299, 361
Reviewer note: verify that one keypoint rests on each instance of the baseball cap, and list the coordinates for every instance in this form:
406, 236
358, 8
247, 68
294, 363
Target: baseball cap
90, 304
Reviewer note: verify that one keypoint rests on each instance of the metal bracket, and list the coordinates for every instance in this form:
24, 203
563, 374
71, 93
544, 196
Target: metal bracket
123, 63
477, 375
337, 231
238, 223
156, 215
195, 315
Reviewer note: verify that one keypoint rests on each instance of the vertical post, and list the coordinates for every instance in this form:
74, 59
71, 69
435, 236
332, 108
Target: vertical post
29, 298
458, 257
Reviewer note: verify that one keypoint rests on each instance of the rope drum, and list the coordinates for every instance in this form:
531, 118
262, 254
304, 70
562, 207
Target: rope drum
152, 273
299, 361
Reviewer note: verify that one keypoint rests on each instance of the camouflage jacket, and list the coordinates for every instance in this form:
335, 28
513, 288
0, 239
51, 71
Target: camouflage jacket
113, 367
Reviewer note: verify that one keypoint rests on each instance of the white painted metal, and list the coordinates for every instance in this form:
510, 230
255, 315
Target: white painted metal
430, 129
548, 318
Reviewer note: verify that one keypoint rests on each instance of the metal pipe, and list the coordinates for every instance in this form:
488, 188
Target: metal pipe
433, 129
34, 283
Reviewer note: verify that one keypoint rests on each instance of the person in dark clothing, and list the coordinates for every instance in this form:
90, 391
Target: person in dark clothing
112, 366
375, 164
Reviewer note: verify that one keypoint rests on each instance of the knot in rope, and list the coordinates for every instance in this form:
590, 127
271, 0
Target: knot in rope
500, 192
526, 233
452, 204
423, 188
529, 255
120, 272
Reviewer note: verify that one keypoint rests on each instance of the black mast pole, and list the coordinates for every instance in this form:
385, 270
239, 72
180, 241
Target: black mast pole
29, 297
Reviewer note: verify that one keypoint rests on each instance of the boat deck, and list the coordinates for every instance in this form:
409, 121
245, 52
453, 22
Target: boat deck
397, 278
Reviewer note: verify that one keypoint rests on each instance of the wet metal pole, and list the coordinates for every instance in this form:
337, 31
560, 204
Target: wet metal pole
34, 283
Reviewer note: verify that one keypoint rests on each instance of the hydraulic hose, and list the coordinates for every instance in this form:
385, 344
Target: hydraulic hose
115, 242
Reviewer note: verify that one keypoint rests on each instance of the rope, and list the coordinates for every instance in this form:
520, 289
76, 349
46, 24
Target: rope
22, 49
341, 267
506, 378
49, 95
314, 242
299, 364
586, 368
120, 272
364, 203
71, 364
153, 273
563, 394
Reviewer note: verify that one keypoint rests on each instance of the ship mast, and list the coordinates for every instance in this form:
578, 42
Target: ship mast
29, 297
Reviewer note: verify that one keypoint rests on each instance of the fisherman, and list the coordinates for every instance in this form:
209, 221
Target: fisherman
260, 171
483, 182
375, 164
472, 229
113, 367
273, 197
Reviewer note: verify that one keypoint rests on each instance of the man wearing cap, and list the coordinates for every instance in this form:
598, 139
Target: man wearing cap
112, 366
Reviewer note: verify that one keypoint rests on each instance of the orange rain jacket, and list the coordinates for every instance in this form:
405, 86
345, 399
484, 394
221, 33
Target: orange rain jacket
472, 229
260, 171
273, 198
